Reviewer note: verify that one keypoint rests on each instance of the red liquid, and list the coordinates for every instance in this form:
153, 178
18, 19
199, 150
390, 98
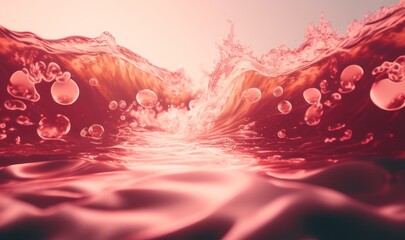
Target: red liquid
98, 143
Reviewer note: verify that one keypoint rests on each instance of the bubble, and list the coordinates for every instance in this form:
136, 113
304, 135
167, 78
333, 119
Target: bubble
3, 136
93, 82
284, 107
278, 91
147, 98
313, 115
388, 95
84, 132
312, 95
122, 104
65, 93
96, 131
24, 120
2, 125
21, 87
252, 95
64, 77
37, 71
346, 135
334, 100
352, 73
15, 105
53, 128
324, 86
113, 105
192, 104
346, 87
122, 117
52, 71
282, 133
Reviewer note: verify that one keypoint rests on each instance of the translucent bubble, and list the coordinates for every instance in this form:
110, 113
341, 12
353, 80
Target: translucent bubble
93, 82
346, 86
21, 87
313, 115
24, 120
96, 131
324, 86
252, 95
334, 100
278, 91
64, 77
53, 128
15, 105
122, 104
282, 133
147, 98
388, 95
346, 135
312, 95
284, 107
52, 71
84, 132
65, 93
113, 105
122, 117
352, 73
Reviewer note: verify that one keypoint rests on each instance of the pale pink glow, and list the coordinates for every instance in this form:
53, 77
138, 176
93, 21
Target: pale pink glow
181, 33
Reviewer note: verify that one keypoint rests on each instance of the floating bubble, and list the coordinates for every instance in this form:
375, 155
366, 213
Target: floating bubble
21, 87
312, 95
313, 115
284, 107
113, 105
278, 91
282, 133
252, 95
84, 132
334, 100
65, 93
52, 71
324, 86
93, 82
346, 135
352, 73
388, 95
122, 104
336, 127
15, 105
122, 117
64, 77
53, 128
96, 131
346, 87
24, 120
147, 98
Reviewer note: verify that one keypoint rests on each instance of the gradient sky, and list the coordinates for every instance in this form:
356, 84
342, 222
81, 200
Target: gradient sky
183, 33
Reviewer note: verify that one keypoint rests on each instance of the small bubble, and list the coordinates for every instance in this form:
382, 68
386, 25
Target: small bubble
324, 86
65, 93
122, 104
96, 131
282, 133
84, 132
2, 125
192, 104
312, 95
93, 82
122, 117
64, 77
3, 136
352, 73
252, 95
113, 105
346, 87
147, 98
313, 115
53, 128
15, 105
278, 91
284, 107
24, 120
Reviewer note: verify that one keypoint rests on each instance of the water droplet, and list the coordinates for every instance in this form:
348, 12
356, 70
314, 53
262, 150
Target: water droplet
65, 93
388, 95
147, 98
346, 87
21, 87
313, 115
252, 95
346, 135
52, 71
284, 107
15, 105
324, 86
278, 91
64, 77
96, 131
93, 82
53, 128
282, 133
312, 95
352, 73
113, 105
24, 120
122, 104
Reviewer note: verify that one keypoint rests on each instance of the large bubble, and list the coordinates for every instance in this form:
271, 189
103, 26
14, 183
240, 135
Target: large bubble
65, 93
147, 98
252, 95
312, 95
53, 128
388, 95
21, 87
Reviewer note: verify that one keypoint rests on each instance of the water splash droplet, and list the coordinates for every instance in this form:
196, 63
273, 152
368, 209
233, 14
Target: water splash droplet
96, 131
252, 95
14, 105
284, 107
21, 87
84, 132
278, 91
53, 128
312, 95
65, 93
334, 100
147, 98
